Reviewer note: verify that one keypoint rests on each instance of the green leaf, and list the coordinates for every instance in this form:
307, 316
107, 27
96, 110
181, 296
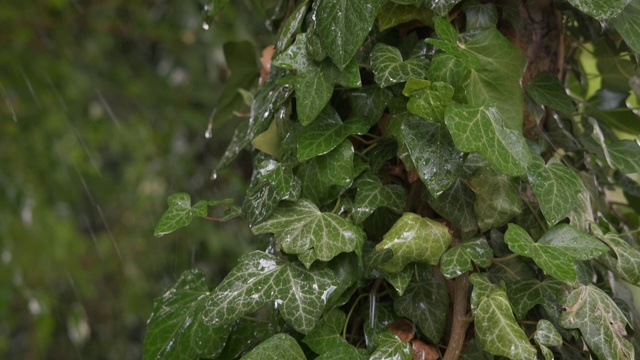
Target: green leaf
327, 336
324, 177
279, 346
546, 334
480, 16
425, 302
260, 202
448, 69
497, 198
556, 186
430, 103
600, 321
626, 262
267, 100
180, 213
432, 152
625, 155
389, 68
291, 26
259, 278
482, 130
372, 194
457, 260
391, 347
526, 294
281, 178
239, 141
600, 9
441, 7
547, 90
374, 259
482, 288
342, 25
302, 229
628, 25
268, 141
497, 331
392, 14
369, 102
399, 280
176, 329
246, 334
557, 250
327, 132
456, 204
414, 239
214, 7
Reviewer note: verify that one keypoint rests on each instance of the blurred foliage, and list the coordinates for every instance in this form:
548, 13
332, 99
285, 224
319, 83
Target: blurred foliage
104, 105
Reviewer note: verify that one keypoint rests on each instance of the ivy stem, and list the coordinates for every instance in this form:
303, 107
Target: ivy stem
460, 323
211, 218
337, 207
346, 323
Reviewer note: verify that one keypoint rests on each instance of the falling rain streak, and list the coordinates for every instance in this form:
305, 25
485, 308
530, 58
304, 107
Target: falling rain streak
8, 102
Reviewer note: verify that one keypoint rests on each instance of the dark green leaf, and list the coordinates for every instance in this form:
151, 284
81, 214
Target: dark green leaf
547, 90
239, 142
429, 103
260, 202
245, 334
391, 347
625, 155
480, 16
279, 346
281, 178
369, 102
389, 68
628, 25
180, 213
526, 294
546, 334
327, 336
497, 198
372, 194
441, 7
291, 26
375, 259
457, 205
448, 69
457, 260
176, 329
302, 229
259, 278
600, 9
399, 280
392, 14
626, 262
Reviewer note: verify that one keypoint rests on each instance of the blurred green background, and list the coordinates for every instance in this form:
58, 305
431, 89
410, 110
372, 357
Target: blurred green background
103, 110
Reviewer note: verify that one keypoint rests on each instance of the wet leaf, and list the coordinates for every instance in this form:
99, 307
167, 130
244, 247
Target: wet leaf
557, 250
260, 202
180, 213
326, 337
389, 68
546, 334
482, 288
414, 239
456, 204
239, 141
625, 155
526, 294
600, 9
441, 7
372, 194
374, 259
342, 25
392, 14
302, 229
391, 347
626, 262
281, 178
246, 334
547, 90
176, 323
448, 69
369, 103
279, 346
429, 103
600, 321
457, 260
628, 25
259, 278
399, 280
556, 186
497, 199
425, 302
482, 130
291, 26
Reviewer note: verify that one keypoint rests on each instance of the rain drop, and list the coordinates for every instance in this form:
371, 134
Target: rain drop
205, 25
214, 175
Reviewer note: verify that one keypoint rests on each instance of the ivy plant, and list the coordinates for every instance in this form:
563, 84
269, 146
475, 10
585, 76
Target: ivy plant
452, 179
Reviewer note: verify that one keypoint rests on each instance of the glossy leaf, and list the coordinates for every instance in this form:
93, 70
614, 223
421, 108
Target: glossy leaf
291, 26
482, 130
399, 280
557, 250
429, 103
389, 68
239, 141
259, 278
245, 335
482, 288
180, 213
281, 178
601, 323
457, 260
448, 69
260, 202
279, 346
326, 337
626, 262
342, 25
497, 199
372, 194
441, 7
547, 90
176, 329
456, 204
628, 25
392, 14
414, 239
546, 334
425, 302
369, 103
302, 229
600, 9
526, 294
391, 347
556, 186
625, 155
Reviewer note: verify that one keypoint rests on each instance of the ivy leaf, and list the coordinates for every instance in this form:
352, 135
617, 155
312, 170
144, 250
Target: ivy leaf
600, 9
239, 141
325, 176
327, 132
259, 278
546, 334
557, 250
414, 239
291, 25
627, 24
281, 178
369, 102
448, 69
556, 187
425, 302
547, 90
457, 260
497, 331
176, 323
482, 287
279, 346
600, 321
326, 336
392, 14
389, 68
372, 194
301, 228
441, 7
625, 155
260, 202
626, 262
482, 130
480, 16
342, 25
180, 213
391, 347
526, 294
245, 335
497, 198
374, 259
429, 103
456, 204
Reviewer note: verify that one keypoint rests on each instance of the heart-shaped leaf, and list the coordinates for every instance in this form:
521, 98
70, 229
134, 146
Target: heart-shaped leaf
457, 260
389, 68
279, 346
497, 198
372, 194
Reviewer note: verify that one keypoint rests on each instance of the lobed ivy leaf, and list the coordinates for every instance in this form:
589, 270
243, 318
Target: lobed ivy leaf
180, 212
456, 204
457, 260
600, 9
392, 14
432, 152
556, 186
374, 259
326, 337
448, 69
369, 102
389, 68
414, 239
626, 262
239, 141
260, 201
547, 90
291, 25
399, 280
302, 229
546, 334
497, 198
342, 25
480, 16
526, 294
628, 25
391, 347
557, 250
429, 103
482, 130
281, 178
372, 194
327, 132
176, 329
625, 155
425, 301
279, 346
267, 100
245, 335
600, 321
482, 287
259, 278
441, 7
